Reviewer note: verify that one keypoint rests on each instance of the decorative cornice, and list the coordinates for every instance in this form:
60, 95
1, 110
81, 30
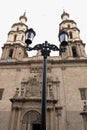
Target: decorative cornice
16, 24
69, 29
18, 31
14, 44
30, 61
13, 100
66, 21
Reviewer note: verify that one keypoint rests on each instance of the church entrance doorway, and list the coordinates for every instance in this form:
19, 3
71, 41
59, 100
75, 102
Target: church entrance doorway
36, 127
31, 121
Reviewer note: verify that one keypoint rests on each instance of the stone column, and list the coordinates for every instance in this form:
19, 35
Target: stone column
54, 115
58, 119
69, 50
12, 119
78, 50
49, 119
85, 123
19, 119
5, 53
14, 53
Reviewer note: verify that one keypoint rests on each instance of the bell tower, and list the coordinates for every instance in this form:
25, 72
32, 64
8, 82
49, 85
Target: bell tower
76, 47
14, 48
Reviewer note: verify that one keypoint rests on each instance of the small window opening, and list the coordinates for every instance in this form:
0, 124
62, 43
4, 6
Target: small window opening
1, 93
74, 52
71, 36
83, 93
11, 53
15, 36
17, 28
68, 26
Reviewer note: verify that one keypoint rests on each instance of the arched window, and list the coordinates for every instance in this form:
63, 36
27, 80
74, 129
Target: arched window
74, 51
71, 36
31, 119
17, 28
68, 25
15, 36
10, 53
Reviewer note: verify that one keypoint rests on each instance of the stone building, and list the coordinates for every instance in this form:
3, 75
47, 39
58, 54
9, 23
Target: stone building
21, 82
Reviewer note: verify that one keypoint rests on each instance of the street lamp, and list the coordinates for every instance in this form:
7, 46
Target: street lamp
45, 49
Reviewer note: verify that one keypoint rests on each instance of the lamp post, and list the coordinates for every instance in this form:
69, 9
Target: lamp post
45, 49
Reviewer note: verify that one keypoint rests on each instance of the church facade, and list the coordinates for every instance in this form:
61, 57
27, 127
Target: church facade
21, 82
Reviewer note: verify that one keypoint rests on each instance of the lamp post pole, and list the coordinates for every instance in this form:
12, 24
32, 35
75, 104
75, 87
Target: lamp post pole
43, 117
45, 49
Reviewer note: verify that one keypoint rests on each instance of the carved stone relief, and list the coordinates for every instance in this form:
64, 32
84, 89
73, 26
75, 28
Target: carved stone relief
32, 87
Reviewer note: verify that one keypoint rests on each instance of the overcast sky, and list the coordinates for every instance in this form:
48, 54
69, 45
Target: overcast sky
43, 16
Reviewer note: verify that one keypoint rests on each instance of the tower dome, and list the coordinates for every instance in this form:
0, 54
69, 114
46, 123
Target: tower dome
64, 16
23, 18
